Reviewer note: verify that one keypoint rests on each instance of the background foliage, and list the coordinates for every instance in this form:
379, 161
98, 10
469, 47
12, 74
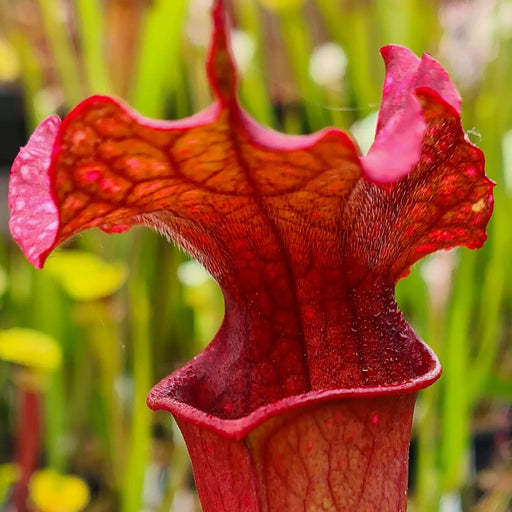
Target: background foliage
129, 319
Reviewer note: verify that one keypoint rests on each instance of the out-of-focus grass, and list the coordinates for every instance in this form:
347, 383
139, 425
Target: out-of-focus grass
115, 347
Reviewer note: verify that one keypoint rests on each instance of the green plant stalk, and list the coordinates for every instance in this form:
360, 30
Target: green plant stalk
62, 51
91, 32
55, 423
489, 341
395, 22
48, 314
254, 91
497, 387
412, 297
140, 438
292, 121
80, 384
158, 57
179, 474
298, 47
200, 92
335, 104
493, 119
427, 476
104, 344
455, 411
207, 304
350, 28
332, 15
412, 23
427, 479
181, 329
31, 77
181, 98
172, 319
161, 285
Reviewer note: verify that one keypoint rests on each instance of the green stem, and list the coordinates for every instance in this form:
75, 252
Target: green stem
456, 407
350, 28
47, 314
140, 436
104, 343
31, 78
427, 475
253, 88
91, 32
62, 51
298, 46
157, 62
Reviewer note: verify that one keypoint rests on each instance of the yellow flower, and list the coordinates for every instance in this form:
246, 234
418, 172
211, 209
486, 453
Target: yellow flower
33, 349
9, 63
52, 492
85, 276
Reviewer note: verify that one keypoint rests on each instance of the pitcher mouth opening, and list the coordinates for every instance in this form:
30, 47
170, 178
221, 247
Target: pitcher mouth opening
174, 394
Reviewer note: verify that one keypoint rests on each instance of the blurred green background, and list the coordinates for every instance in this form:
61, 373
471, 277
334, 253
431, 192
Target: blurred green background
124, 311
